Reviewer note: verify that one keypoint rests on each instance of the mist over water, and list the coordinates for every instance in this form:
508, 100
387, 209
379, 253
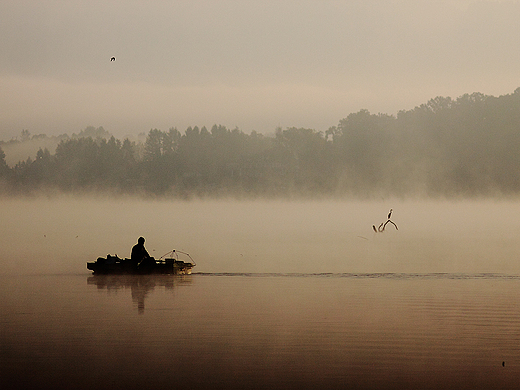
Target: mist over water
300, 294
59, 235
255, 101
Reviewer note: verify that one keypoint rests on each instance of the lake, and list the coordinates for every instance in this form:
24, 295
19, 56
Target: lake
284, 295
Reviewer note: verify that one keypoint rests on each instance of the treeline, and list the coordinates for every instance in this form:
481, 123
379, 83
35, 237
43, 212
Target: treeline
464, 147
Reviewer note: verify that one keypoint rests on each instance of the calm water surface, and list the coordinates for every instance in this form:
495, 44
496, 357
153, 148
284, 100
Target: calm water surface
261, 331
286, 295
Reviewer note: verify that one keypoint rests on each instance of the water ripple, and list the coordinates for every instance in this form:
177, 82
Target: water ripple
376, 275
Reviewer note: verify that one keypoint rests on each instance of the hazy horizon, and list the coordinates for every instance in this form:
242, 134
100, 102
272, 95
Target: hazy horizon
251, 65
59, 235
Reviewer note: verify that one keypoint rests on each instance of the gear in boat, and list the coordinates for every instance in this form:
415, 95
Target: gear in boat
170, 263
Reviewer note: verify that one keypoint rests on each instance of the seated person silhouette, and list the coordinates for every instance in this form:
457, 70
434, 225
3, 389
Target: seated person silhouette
140, 257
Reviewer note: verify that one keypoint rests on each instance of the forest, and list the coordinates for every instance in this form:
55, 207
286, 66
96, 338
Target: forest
463, 147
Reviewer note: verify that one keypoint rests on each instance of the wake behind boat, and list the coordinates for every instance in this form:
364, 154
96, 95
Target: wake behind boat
169, 263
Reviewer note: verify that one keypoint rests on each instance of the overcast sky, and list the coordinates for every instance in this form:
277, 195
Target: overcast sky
255, 65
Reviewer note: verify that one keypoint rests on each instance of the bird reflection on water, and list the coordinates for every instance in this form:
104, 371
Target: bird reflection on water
140, 285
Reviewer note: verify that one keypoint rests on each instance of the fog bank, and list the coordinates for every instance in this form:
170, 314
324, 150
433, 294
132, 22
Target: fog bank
61, 235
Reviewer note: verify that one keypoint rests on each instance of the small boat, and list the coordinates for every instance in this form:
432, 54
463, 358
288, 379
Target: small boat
169, 264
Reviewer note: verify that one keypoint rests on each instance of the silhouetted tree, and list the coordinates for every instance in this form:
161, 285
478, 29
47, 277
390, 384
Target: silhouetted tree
94, 133
446, 147
4, 169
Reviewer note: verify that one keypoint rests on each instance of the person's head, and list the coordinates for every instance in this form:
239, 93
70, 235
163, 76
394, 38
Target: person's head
140, 240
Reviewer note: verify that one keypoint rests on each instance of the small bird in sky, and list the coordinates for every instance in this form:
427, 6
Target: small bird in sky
112, 59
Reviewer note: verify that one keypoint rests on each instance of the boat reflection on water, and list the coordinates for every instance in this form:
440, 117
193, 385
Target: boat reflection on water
140, 285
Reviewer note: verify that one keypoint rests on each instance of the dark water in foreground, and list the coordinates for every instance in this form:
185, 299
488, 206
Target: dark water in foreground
258, 331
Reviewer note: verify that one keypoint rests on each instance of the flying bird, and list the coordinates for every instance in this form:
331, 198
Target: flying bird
381, 228
112, 59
